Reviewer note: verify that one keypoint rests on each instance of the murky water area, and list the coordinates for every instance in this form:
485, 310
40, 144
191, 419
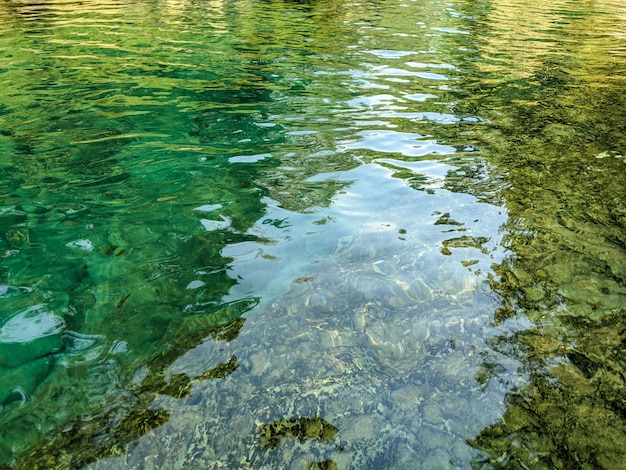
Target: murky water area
323, 234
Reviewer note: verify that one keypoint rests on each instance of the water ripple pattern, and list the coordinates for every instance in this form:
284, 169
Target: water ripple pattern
329, 234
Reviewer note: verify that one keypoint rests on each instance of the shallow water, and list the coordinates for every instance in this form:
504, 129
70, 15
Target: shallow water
313, 234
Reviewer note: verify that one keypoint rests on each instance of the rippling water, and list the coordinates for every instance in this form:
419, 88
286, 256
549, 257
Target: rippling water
318, 234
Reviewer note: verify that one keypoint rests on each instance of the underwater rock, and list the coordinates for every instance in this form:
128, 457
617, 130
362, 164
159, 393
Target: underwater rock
19, 383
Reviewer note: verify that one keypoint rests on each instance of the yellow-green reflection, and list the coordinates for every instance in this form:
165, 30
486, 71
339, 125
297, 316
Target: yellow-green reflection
557, 136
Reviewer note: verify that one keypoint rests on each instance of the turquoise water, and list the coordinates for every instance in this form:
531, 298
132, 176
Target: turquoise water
312, 234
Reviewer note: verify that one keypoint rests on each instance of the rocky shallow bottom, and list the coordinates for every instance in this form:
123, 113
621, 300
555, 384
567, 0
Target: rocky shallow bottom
364, 364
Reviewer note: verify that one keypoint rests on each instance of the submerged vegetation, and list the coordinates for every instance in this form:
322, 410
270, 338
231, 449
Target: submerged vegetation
301, 428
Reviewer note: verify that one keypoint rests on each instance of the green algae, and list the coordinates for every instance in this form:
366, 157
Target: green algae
323, 465
302, 429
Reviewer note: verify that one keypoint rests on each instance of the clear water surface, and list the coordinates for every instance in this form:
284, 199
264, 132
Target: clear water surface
313, 234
